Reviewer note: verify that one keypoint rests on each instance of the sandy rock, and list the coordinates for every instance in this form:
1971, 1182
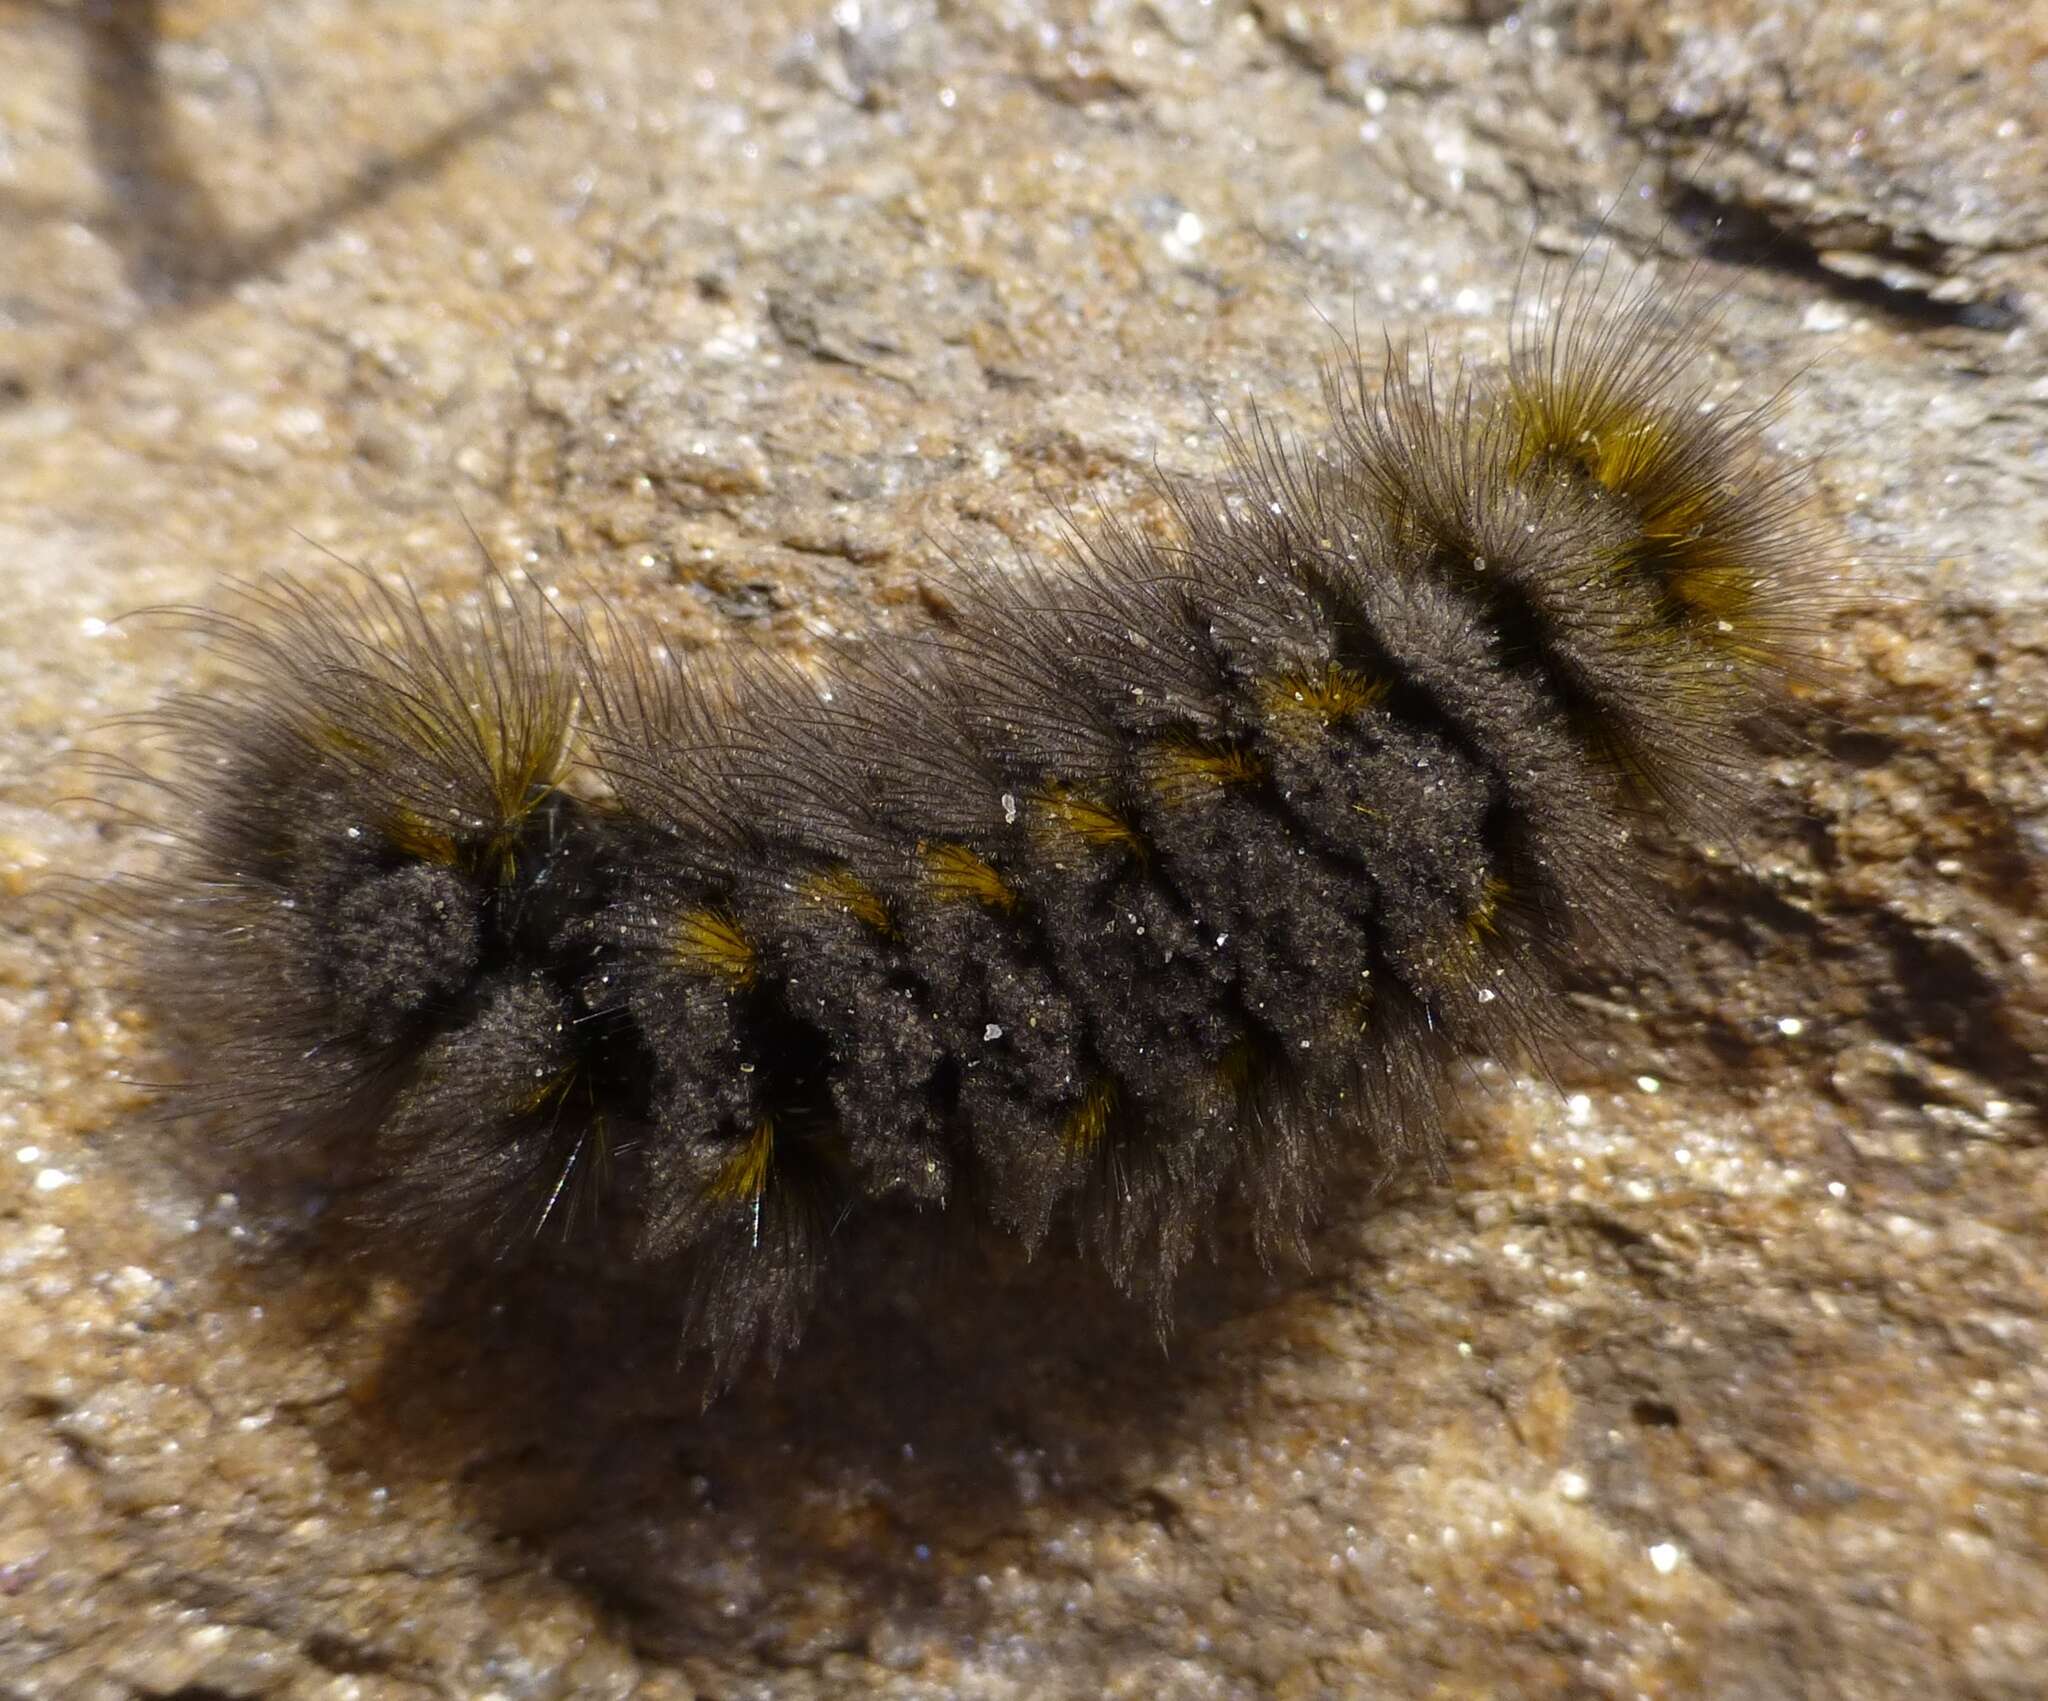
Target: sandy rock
1714, 1366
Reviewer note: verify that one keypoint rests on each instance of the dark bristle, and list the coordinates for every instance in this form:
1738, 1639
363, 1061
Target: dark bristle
1161, 874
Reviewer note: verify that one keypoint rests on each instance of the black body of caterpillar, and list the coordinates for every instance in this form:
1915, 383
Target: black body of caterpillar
1156, 876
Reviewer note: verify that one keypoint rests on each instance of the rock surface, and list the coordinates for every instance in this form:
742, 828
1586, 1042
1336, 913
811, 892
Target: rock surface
1713, 1368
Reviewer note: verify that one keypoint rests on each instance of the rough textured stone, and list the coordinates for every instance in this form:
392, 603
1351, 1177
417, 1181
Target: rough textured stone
1715, 1367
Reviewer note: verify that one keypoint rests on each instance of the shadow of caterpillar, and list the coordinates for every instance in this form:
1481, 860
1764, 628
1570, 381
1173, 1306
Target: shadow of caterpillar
1166, 873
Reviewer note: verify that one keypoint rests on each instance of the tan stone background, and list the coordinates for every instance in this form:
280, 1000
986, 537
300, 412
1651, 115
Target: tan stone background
1715, 1368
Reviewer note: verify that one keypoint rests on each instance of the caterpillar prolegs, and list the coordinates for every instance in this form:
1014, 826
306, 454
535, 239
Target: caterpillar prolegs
1166, 871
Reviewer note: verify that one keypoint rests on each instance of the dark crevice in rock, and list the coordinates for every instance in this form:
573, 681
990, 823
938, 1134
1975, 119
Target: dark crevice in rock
1739, 234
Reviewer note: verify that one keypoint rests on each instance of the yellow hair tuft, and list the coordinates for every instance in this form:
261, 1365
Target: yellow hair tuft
1088, 1121
710, 942
1183, 771
955, 875
1297, 701
744, 1175
842, 889
1062, 812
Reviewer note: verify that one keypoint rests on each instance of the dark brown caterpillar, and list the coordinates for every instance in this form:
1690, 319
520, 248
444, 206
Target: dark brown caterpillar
1158, 876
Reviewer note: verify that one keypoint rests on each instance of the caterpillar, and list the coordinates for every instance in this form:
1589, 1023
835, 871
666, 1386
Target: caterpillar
1170, 870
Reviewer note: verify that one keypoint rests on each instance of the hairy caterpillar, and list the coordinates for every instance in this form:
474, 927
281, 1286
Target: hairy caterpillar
1164, 874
